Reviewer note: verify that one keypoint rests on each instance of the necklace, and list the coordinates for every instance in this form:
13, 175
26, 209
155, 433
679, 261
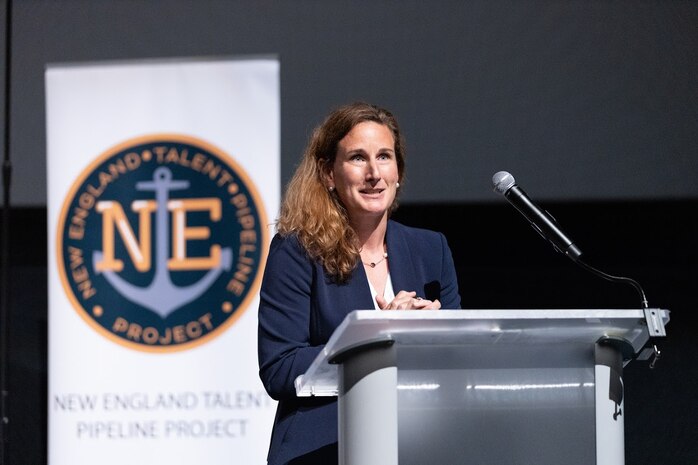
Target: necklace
373, 264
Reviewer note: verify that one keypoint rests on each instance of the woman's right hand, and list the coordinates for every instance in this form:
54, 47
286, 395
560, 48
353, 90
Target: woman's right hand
405, 300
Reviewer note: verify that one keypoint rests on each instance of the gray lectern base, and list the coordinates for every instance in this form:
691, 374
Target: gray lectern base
479, 386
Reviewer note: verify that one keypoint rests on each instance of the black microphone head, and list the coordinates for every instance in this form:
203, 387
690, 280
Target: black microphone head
502, 181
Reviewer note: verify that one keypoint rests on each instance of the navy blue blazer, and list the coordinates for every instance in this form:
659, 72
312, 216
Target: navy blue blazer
300, 307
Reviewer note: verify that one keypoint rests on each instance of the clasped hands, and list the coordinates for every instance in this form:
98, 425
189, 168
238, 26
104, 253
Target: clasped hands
407, 301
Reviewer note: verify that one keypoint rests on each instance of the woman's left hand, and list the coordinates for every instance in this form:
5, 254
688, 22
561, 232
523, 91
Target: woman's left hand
407, 301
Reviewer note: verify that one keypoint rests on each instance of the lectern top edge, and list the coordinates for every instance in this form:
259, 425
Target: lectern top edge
476, 328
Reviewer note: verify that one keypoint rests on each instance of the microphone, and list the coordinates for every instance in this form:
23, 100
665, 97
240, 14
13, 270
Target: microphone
505, 184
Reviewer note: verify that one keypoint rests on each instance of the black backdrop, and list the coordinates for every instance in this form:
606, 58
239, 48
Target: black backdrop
501, 263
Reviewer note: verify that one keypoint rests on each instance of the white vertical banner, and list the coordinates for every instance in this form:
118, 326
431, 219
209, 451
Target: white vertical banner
163, 183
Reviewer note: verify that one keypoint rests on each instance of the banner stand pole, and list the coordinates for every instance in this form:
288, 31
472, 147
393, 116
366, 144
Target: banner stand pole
4, 248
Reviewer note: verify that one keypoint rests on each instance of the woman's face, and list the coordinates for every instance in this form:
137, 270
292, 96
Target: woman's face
365, 172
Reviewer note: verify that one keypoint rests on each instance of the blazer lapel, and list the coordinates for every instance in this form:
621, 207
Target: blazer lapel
400, 261
358, 292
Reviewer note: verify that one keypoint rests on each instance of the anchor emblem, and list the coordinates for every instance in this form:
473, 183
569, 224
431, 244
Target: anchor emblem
162, 296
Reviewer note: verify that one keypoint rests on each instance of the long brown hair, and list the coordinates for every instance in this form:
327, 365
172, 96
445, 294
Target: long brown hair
316, 215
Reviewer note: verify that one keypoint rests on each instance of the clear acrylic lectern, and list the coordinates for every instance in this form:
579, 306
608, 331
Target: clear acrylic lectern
485, 387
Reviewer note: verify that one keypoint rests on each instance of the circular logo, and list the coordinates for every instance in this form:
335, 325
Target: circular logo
161, 241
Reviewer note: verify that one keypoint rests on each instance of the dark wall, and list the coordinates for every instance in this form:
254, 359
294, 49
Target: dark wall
581, 100
501, 263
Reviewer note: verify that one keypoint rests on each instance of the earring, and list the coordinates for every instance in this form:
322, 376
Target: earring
331, 188
397, 185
